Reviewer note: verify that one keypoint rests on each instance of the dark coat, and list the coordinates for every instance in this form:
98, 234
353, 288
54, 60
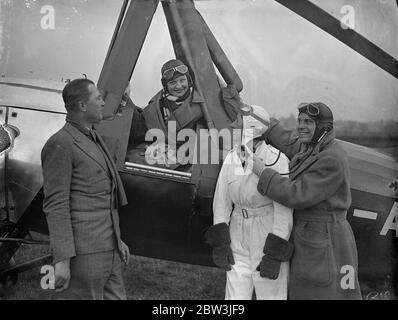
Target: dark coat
81, 195
318, 189
185, 116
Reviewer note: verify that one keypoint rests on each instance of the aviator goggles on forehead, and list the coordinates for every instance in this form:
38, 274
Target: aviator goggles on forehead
169, 73
310, 109
251, 113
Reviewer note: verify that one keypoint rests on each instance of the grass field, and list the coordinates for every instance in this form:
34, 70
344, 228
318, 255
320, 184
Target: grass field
145, 279
153, 279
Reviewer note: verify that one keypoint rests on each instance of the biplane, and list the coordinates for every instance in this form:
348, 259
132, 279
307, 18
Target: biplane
170, 209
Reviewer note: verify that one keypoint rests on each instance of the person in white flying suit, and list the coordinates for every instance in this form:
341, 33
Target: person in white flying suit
250, 231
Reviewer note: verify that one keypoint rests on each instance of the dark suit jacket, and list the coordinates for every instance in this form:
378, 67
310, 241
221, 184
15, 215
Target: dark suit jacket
81, 195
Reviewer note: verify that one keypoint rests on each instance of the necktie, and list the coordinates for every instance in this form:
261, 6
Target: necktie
99, 143
93, 135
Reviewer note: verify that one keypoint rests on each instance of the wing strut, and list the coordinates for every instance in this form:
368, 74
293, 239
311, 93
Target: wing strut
351, 38
123, 54
219, 58
190, 46
124, 51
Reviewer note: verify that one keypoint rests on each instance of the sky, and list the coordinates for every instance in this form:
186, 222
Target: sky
282, 58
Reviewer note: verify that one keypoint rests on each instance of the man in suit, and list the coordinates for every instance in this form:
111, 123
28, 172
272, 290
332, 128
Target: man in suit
82, 193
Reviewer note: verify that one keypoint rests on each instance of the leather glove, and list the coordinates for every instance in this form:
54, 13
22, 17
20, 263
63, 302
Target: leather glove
269, 267
218, 237
275, 251
223, 257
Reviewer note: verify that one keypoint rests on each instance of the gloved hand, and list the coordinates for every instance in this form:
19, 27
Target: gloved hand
223, 257
218, 237
269, 267
276, 250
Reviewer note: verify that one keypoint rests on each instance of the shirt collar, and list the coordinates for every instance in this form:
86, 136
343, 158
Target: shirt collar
79, 126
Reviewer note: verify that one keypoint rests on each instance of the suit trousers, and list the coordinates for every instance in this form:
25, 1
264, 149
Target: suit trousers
97, 276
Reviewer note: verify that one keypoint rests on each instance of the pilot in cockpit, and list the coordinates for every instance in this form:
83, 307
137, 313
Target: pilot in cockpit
175, 107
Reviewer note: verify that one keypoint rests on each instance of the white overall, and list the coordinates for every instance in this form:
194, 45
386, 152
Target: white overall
251, 217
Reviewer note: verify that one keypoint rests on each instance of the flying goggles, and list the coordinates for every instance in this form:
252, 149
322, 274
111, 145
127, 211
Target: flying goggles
310, 109
169, 73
